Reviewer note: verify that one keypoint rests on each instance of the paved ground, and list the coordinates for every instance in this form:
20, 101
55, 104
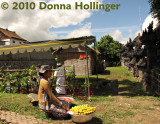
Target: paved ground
15, 118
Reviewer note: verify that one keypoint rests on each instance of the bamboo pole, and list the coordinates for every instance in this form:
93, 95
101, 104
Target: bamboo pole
13, 70
85, 81
96, 61
87, 71
73, 80
64, 74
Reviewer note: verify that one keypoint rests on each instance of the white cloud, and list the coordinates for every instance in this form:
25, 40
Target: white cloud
148, 20
130, 33
84, 31
34, 25
117, 35
105, 30
62, 37
116, 32
124, 28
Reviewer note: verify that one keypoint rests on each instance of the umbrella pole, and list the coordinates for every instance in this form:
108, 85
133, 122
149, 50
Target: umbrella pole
87, 71
96, 62
85, 82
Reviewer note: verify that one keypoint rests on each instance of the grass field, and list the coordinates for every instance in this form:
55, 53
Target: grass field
130, 106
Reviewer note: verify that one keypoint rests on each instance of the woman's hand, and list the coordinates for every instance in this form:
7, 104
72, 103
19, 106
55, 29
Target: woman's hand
64, 107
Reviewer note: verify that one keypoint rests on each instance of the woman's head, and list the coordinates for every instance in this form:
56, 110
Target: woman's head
47, 74
45, 71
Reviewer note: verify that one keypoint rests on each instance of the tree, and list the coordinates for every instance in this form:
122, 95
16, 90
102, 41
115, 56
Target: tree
110, 50
155, 8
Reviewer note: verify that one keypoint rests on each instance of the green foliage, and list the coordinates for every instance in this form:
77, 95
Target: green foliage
109, 49
69, 78
53, 80
32, 71
17, 77
155, 8
5, 76
20, 79
23, 80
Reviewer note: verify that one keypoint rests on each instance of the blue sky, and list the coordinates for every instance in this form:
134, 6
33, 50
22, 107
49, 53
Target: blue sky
126, 18
38, 25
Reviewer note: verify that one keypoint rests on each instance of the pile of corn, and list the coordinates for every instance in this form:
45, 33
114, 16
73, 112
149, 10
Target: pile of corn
83, 109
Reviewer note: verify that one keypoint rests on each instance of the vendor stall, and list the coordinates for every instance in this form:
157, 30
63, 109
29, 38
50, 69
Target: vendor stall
48, 45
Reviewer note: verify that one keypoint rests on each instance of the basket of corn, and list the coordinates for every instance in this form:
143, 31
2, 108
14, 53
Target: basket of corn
82, 113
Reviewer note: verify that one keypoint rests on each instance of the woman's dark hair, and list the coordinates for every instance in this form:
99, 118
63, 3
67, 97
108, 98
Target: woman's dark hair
42, 74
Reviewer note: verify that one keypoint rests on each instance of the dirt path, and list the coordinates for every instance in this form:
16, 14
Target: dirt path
137, 110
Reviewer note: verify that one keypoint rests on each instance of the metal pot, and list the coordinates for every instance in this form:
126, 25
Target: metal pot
81, 118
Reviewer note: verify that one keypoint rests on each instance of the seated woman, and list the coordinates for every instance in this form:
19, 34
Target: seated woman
47, 100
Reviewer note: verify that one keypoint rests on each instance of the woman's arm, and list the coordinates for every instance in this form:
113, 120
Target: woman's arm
48, 90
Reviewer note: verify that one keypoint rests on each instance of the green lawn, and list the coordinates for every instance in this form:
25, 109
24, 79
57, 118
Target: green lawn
131, 105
